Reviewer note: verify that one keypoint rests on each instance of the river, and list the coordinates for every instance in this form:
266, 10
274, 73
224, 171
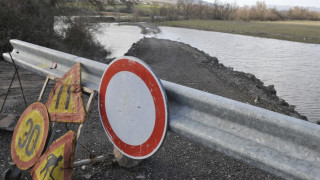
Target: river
292, 67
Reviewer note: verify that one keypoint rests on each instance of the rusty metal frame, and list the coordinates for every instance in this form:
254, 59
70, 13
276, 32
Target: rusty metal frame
92, 96
62, 86
90, 92
13, 77
15, 172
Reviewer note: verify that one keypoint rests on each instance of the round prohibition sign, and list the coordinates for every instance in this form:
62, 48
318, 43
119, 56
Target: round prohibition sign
133, 107
30, 135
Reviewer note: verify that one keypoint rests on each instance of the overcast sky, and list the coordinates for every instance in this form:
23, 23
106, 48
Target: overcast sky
304, 3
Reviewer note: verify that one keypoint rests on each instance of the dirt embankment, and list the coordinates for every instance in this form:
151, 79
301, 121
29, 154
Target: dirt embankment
146, 28
176, 159
185, 65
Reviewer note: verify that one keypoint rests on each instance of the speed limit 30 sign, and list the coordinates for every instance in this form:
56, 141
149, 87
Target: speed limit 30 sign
30, 135
133, 107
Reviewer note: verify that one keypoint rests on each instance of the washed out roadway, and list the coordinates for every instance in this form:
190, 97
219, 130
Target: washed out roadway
177, 158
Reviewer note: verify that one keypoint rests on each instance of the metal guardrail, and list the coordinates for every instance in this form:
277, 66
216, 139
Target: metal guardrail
283, 145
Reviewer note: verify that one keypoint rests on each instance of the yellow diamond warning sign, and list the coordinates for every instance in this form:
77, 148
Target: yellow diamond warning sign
30, 135
57, 161
65, 102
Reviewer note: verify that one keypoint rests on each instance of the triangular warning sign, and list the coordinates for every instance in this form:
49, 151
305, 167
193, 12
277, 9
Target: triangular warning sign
57, 161
65, 102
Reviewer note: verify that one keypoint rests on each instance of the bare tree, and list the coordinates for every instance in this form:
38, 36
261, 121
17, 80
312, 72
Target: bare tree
33, 21
98, 5
187, 8
129, 3
243, 13
258, 12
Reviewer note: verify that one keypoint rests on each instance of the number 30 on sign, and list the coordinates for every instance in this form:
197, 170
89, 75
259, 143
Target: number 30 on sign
30, 136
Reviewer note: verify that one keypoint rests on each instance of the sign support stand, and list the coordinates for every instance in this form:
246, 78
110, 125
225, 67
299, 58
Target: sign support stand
9, 121
90, 92
15, 173
88, 110
139, 76
14, 75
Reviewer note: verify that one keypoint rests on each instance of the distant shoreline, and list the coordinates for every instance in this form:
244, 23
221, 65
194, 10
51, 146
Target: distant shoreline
297, 31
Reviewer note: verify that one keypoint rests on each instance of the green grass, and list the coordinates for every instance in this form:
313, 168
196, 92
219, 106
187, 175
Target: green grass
147, 9
78, 5
300, 31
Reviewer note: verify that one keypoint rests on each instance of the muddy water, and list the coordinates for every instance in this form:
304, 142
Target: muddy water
293, 68
118, 39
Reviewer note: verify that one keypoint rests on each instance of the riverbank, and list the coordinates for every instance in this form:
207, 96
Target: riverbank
146, 27
299, 31
182, 64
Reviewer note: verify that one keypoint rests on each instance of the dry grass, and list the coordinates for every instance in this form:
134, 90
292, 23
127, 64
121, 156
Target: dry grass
300, 31
301, 23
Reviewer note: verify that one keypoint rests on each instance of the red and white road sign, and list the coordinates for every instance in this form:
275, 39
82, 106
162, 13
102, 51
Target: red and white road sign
133, 107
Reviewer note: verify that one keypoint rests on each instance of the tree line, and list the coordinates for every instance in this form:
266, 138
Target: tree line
34, 21
187, 9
